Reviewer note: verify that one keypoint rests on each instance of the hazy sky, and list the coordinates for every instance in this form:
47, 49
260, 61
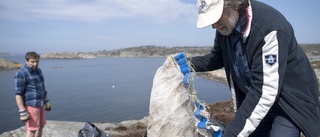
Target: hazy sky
92, 25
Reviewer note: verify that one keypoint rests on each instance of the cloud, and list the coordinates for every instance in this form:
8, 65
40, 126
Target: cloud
95, 10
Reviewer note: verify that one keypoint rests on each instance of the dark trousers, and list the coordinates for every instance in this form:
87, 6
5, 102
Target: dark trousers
276, 124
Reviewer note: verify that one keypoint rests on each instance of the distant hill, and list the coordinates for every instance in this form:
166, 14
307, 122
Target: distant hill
312, 50
68, 55
141, 51
5, 54
153, 51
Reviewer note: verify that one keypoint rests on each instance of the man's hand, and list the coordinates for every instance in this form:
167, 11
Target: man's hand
48, 106
24, 116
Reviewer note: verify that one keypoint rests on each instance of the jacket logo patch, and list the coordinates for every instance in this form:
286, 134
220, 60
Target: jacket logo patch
270, 59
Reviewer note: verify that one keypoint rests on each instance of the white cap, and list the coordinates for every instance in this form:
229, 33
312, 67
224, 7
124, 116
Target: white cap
210, 12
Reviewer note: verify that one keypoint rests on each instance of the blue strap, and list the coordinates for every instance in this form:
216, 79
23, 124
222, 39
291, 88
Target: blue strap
217, 133
184, 68
202, 124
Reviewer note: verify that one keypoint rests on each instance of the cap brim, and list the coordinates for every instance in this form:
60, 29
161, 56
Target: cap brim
210, 17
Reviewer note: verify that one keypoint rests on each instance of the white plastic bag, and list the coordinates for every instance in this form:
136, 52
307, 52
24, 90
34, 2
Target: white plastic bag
171, 106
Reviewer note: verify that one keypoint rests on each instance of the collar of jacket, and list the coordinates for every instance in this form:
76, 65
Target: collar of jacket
245, 22
30, 69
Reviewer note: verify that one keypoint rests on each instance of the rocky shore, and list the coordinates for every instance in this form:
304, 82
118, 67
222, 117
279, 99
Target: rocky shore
131, 128
7, 64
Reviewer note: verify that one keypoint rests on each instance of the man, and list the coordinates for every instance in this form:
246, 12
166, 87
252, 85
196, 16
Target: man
31, 95
274, 88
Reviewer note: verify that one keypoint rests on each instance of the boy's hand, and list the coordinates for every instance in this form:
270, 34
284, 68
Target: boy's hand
48, 106
24, 116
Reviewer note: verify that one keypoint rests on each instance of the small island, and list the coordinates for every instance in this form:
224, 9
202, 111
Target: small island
8, 64
67, 55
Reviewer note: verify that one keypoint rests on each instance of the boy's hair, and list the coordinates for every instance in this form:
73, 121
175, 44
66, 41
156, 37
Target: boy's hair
32, 55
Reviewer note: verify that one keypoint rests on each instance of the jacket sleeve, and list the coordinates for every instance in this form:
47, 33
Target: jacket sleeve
210, 61
19, 83
267, 69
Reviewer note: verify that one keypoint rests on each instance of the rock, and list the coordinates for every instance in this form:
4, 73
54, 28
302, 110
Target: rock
71, 129
56, 66
51, 129
7, 64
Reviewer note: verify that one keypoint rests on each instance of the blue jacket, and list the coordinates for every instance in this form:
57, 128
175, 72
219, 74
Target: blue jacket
267, 67
30, 85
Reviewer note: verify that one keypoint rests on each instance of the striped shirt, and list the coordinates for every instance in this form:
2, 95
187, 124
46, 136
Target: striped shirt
30, 85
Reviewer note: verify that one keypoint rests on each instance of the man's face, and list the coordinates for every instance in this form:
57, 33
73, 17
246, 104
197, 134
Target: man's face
227, 23
33, 63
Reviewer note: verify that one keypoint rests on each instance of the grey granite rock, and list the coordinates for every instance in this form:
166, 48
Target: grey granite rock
71, 129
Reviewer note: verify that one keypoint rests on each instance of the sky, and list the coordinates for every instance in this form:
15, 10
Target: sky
92, 25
